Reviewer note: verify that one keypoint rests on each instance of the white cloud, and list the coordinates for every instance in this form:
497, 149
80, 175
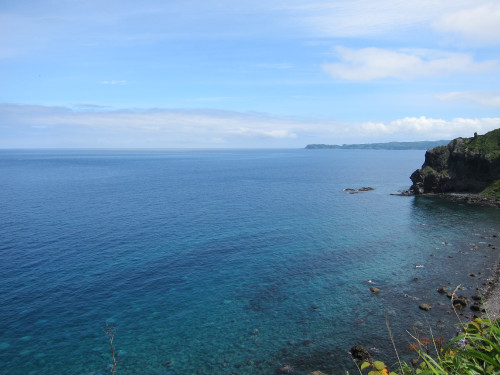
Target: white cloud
372, 63
479, 23
483, 99
40, 126
429, 127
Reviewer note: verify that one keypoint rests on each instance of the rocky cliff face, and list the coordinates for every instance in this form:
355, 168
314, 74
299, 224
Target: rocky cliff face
464, 165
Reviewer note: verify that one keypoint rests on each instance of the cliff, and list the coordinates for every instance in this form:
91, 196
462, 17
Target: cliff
466, 165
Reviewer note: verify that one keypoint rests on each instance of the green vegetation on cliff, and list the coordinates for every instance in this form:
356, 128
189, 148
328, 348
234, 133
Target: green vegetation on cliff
492, 190
487, 144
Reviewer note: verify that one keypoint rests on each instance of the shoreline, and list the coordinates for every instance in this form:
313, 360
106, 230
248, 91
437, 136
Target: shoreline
491, 295
471, 198
491, 298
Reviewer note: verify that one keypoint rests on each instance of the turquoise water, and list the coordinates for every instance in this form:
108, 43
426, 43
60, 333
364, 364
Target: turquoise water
221, 262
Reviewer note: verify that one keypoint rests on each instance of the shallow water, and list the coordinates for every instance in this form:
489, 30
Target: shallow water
219, 262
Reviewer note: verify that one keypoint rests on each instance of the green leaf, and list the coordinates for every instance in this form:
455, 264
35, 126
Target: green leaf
379, 365
365, 365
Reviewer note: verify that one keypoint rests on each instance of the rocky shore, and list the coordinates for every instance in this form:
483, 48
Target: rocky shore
477, 199
466, 170
492, 298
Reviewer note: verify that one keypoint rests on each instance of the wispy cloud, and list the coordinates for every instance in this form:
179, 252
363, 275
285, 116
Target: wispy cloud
483, 99
40, 126
140, 128
356, 18
113, 82
372, 63
479, 23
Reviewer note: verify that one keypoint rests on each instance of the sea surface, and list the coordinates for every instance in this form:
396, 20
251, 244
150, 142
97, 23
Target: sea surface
225, 261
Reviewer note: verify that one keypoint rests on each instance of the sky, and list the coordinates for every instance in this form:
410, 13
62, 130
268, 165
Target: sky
246, 74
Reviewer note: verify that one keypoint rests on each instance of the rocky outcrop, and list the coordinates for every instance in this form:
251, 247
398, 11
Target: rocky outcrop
464, 165
425, 306
360, 353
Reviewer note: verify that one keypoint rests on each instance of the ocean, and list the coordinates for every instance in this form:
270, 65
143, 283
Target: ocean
226, 261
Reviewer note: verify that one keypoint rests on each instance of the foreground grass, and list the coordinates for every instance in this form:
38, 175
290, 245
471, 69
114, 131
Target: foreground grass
475, 351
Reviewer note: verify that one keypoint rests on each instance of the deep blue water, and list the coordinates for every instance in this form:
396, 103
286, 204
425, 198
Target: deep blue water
220, 262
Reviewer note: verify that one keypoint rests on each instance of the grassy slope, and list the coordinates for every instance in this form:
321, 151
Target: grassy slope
488, 144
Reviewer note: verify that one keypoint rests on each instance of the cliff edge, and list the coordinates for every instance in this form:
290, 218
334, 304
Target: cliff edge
465, 165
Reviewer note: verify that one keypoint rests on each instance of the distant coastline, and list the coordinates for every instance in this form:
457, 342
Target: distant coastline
420, 145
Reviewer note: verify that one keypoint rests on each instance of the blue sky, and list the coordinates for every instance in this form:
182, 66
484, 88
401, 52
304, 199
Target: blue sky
223, 74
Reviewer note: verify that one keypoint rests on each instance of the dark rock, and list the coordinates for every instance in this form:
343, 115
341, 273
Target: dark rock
425, 306
478, 307
374, 290
460, 302
414, 362
442, 290
366, 188
286, 369
359, 353
472, 275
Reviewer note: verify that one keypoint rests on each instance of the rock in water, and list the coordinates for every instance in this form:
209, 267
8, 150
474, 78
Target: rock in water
360, 353
425, 306
460, 302
286, 369
442, 290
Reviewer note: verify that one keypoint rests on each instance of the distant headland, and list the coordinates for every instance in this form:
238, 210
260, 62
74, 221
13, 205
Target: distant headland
420, 145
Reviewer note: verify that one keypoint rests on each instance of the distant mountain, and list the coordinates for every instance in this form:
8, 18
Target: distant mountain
420, 145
